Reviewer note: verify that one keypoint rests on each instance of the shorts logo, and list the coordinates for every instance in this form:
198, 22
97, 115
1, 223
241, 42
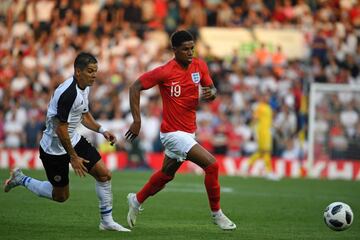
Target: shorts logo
57, 178
195, 77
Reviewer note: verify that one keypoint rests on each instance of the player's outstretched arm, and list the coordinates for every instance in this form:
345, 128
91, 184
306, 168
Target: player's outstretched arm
134, 98
89, 122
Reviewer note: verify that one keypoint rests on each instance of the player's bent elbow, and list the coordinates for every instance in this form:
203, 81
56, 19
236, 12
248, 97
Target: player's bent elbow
136, 86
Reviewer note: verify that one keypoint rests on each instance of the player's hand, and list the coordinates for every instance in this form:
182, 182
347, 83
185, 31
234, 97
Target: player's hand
77, 164
133, 131
208, 93
110, 137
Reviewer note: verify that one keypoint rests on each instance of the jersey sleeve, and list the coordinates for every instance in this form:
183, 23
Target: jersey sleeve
152, 78
206, 79
64, 105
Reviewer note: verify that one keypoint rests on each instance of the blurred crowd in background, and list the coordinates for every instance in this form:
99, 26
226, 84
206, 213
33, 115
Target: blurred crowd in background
40, 39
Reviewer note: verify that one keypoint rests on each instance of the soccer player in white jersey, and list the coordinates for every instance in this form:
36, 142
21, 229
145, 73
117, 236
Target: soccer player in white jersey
61, 145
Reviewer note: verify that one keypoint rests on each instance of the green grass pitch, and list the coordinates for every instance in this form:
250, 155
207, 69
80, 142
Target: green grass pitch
262, 209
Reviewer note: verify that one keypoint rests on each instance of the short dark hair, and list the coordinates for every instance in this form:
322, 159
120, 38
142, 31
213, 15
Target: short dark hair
178, 37
84, 59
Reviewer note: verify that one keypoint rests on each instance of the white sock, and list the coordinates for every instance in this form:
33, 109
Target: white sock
40, 188
217, 213
103, 191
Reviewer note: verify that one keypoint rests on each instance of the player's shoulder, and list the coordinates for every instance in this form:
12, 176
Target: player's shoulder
166, 68
69, 82
199, 62
160, 67
170, 64
68, 87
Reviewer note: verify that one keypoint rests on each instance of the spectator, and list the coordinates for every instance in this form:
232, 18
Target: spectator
2, 129
33, 130
337, 141
122, 35
13, 131
292, 150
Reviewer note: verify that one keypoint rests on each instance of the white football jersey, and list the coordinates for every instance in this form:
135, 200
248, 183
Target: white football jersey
67, 104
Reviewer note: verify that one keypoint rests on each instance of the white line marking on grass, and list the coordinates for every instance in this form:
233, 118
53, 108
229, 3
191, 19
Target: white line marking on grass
194, 189
171, 187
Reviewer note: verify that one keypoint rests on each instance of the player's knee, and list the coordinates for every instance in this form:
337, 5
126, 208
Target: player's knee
105, 177
61, 198
212, 168
212, 159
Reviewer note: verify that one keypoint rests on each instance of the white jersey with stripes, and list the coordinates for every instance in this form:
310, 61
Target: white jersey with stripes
67, 104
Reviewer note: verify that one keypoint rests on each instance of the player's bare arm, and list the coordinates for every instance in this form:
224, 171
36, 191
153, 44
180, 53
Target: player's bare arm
208, 93
89, 122
77, 162
134, 97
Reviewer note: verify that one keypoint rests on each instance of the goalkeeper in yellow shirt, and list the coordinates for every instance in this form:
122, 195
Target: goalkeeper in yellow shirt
262, 122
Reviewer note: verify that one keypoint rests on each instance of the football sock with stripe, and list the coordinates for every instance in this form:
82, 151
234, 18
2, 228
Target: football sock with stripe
40, 188
156, 182
212, 186
104, 194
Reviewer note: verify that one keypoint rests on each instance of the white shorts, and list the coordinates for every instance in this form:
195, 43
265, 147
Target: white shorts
177, 144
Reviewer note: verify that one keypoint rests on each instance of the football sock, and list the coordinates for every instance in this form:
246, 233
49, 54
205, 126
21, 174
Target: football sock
40, 188
104, 194
156, 182
253, 158
212, 186
267, 160
217, 213
135, 201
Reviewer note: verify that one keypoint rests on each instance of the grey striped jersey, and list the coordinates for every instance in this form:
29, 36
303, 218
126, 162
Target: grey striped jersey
67, 104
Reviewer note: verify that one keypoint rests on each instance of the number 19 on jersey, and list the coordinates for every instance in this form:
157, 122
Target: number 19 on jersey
175, 90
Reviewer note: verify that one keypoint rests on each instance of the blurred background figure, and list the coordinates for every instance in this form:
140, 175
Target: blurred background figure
262, 124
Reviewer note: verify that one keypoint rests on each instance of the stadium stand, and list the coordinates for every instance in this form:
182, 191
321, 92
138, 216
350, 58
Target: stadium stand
39, 40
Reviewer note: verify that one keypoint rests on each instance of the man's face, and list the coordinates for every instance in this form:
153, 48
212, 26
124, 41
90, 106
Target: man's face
185, 52
87, 76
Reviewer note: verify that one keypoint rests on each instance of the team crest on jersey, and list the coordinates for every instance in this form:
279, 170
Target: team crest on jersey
57, 178
195, 77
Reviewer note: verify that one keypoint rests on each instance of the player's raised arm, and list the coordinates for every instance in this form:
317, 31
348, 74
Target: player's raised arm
134, 97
